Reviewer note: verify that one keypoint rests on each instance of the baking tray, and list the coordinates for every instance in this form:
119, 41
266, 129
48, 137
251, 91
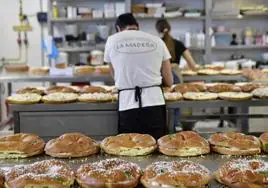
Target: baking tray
212, 161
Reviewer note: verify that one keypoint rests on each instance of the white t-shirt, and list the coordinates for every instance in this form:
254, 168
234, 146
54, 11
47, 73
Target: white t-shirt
137, 59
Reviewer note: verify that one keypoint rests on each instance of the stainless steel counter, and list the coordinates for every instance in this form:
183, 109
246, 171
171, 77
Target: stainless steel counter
211, 161
10, 78
113, 106
100, 119
26, 77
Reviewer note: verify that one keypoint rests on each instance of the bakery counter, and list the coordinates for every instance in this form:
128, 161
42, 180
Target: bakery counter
26, 77
211, 161
215, 78
113, 106
100, 119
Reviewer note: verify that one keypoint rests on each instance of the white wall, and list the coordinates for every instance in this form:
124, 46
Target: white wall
9, 17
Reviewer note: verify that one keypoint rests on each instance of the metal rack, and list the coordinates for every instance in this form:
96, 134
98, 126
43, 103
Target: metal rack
206, 20
211, 161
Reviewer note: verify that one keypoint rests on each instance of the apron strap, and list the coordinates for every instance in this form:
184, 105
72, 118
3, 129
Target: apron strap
138, 92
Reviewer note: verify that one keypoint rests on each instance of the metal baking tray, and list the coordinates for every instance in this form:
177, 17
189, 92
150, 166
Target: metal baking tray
211, 161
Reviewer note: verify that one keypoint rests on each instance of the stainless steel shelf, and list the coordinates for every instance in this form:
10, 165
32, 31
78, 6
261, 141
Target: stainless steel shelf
75, 20
240, 47
172, 18
244, 17
26, 77
216, 78
82, 49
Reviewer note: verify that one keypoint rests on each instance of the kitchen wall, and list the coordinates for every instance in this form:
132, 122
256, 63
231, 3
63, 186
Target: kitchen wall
9, 18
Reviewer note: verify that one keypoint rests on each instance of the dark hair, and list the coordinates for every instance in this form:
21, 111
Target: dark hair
162, 25
124, 20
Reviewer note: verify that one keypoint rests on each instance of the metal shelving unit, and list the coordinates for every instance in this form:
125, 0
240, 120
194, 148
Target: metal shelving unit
77, 20
241, 47
206, 20
243, 17
82, 49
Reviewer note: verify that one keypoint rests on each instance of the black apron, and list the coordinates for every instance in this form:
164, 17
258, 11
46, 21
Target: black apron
144, 120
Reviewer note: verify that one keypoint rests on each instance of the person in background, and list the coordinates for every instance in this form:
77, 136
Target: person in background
175, 47
140, 65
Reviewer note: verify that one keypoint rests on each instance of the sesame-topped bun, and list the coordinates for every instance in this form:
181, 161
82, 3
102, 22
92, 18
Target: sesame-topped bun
48, 173
222, 87
264, 142
172, 96
112, 173
248, 86
39, 91
175, 174
93, 89
25, 98
61, 89
59, 97
261, 93
185, 143
244, 173
71, 145
131, 144
21, 145
96, 97
231, 143
200, 96
189, 87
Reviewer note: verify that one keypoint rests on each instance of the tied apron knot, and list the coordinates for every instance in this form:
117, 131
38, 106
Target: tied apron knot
138, 92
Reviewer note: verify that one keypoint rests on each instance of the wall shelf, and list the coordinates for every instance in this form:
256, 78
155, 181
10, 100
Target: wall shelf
243, 17
206, 21
77, 20
172, 18
82, 49
240, 47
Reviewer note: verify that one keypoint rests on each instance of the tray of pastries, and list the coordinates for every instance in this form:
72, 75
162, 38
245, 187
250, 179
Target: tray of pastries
135, 160
95, 94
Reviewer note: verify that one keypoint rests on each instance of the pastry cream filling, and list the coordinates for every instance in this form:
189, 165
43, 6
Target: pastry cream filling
12, 154
236, 149
135, 151
65, 183
186, 151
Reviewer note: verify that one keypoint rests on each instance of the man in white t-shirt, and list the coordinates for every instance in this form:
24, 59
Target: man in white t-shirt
140, 66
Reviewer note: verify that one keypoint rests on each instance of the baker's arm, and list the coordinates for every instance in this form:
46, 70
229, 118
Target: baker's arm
166, 72
189, 59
